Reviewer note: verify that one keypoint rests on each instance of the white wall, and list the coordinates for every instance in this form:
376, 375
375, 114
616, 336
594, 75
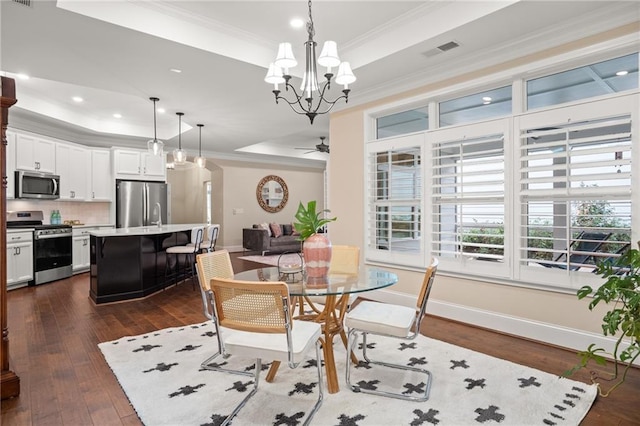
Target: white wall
188, 194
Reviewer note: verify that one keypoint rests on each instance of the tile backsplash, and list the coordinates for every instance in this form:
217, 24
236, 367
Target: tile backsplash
87, 213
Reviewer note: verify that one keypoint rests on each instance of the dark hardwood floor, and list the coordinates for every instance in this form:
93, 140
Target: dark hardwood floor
55, 329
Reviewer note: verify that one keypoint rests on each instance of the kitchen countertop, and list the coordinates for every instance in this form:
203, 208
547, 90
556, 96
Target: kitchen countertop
14, 230
93, 225
146, 230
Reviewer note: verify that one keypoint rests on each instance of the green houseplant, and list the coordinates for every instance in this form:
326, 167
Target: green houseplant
622, 289
316, 248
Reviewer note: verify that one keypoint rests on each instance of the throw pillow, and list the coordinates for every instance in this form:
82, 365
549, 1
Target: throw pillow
293, 231
265, 226
276, 231
287, 229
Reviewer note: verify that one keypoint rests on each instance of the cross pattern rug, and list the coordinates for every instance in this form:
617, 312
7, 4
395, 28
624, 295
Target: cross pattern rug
161, 375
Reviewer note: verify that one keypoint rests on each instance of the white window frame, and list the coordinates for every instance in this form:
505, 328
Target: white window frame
373, 253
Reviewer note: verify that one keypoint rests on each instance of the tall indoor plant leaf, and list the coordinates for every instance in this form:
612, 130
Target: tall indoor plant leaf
622, 290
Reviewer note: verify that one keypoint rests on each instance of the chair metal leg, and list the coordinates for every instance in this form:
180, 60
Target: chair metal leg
246, 398
352, 338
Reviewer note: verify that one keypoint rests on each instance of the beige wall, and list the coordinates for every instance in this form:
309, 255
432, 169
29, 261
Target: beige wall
346, 189
188, 194
238, 188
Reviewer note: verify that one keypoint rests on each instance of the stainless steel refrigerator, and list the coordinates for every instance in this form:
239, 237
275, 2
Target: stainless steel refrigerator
142, 203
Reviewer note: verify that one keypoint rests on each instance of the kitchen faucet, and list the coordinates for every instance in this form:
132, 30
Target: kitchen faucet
159, 222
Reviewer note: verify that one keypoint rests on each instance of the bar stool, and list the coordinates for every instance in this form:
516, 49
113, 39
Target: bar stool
189, 252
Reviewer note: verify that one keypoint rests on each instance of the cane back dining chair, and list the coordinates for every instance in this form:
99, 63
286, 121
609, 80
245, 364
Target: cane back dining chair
345, 260
211, 265
390, 320
259, 314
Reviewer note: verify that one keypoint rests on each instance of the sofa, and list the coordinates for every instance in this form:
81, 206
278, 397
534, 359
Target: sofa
271, 239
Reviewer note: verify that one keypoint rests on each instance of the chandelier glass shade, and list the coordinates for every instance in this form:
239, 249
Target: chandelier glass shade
200, 160
179, 154
312, 99
155, 146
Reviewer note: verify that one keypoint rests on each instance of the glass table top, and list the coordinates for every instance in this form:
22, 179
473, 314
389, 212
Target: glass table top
369, 278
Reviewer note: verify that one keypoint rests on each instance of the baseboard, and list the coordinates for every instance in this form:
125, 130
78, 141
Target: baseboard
535, 330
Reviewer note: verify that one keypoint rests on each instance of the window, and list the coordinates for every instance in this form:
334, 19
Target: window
602, 78
468, 196
402, 123
534, 198
575, 189
394, 182
479, 106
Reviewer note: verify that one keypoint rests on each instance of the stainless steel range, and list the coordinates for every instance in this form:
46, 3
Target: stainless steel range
52, 246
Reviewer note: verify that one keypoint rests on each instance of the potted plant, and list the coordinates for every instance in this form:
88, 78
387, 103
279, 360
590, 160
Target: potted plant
622, 288
316, 248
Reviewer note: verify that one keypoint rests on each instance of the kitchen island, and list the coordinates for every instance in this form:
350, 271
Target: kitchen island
130, 263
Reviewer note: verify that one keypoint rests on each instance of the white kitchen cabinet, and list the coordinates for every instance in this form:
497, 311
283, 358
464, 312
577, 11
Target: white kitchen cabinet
138, 165
19, 258
35, 154
72, 164
81, 259
11, 164
100, 176
81, 247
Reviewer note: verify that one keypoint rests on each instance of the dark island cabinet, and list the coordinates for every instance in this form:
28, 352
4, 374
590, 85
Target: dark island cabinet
128, 267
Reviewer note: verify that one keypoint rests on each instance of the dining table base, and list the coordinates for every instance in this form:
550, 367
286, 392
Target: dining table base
331, 317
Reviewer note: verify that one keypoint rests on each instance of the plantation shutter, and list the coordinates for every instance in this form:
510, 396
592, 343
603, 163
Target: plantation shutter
468, 198
575, 191
394, 183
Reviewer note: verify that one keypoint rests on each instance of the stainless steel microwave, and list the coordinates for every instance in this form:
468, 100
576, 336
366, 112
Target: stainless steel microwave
44, 186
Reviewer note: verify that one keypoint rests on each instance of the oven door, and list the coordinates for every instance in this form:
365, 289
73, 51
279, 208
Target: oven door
52, 257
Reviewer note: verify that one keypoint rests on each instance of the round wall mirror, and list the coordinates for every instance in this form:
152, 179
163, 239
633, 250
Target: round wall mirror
272, 193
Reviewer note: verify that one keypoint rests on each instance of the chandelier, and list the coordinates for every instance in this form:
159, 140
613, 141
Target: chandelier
311, 100
154, 146
200, 160
179, 155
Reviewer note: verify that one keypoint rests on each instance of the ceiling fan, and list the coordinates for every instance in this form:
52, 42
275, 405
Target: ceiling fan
321, 147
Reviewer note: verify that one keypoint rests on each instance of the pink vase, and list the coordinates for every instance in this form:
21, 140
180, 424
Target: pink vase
317, 255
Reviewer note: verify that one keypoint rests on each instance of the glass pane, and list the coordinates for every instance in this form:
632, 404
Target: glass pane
576, 235
612, 76
402, 123
479, 106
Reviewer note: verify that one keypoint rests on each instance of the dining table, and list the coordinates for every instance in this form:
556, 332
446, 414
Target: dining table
324, 300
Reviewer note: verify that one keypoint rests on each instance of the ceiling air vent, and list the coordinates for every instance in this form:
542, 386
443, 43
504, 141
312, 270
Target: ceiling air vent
442, 48
23, 2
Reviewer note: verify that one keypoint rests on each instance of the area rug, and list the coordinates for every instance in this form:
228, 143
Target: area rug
160, 374
287, 259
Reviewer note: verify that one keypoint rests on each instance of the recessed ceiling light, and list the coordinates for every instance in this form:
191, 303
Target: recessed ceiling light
621, 73
486, 102
23, 76
77, 99
176, 70
296, 23
487, 98
160, 110
116, 115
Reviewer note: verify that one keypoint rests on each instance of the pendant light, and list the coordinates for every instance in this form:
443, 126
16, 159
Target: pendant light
200, 160
179, 155
155, 146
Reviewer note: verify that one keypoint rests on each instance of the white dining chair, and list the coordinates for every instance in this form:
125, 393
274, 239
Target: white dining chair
390, 321
259, 315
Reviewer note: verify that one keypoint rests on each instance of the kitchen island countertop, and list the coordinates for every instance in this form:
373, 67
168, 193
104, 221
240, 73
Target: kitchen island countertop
145, 230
